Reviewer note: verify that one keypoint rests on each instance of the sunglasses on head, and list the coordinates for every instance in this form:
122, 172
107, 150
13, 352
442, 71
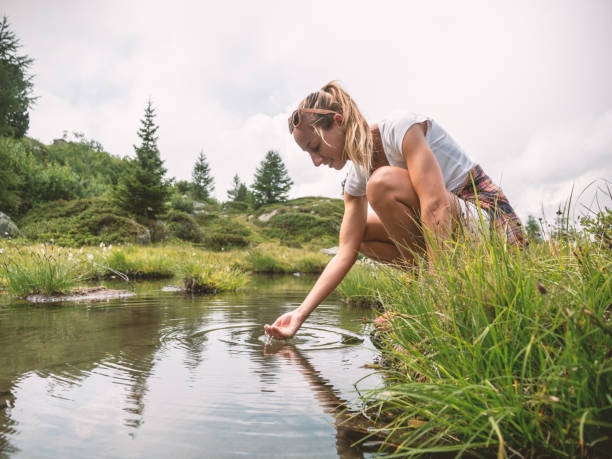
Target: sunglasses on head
295, 119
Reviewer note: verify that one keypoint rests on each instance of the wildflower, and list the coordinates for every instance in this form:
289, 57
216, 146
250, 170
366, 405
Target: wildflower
90, 256
81, 250
110, 247
1, 250
102, 245
70, 255
193, 254
6, 233
42, 251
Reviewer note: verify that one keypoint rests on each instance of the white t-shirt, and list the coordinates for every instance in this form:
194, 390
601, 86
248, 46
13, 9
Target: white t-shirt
453, 161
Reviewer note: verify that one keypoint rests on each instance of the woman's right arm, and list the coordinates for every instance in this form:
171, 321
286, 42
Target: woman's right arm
351, 235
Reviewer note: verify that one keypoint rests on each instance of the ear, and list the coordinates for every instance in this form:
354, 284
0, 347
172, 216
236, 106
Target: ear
338, 119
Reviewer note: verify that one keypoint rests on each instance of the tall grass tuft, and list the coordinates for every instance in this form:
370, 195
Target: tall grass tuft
205, 277
501, 351
364, 282
46, 272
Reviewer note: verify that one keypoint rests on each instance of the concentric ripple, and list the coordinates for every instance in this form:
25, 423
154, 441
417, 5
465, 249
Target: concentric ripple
250, 336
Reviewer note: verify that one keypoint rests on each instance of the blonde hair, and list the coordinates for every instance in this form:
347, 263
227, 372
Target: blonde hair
358, 144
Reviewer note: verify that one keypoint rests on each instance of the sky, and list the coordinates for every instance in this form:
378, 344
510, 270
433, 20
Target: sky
523, 86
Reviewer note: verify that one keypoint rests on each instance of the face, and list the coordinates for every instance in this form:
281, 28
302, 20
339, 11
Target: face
328, 152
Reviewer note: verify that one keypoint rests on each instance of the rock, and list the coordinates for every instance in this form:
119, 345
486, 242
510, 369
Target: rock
144, 237
82, 294
330, 251
7, 226
266, 217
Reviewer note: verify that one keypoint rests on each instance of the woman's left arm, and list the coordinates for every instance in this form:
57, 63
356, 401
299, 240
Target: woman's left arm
428, 183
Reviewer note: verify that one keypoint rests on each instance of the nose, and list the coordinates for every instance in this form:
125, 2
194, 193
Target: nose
317, 160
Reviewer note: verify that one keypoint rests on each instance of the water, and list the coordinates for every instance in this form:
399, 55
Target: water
165, 374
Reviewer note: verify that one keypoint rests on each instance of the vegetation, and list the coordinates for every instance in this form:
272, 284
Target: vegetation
272, 182
89, 221
15, 85
239, 192
509, 354
206, 277
143, 191
50, 269
533, 229
203, 181
44, 272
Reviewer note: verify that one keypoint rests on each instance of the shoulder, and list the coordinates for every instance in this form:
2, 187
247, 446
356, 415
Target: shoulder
393, 128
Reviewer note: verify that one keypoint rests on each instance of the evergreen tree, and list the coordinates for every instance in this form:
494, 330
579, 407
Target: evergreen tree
239, 192
143, 191
15, 85
533, 229
203, 181
272, 182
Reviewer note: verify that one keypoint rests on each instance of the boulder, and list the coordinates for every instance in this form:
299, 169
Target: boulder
330, 251
265, 218
7, 227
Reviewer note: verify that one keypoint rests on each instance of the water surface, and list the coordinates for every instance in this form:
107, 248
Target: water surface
165, 374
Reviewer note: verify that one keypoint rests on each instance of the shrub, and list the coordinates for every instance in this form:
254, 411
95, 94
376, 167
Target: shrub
223, 233
183, 226
181, 203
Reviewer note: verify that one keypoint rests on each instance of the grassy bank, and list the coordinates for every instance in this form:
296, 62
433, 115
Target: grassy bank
497, 351
49, 269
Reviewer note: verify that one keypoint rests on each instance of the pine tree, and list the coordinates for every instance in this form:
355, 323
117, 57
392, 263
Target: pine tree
15, 85
203, 181
533, 229
143, 191
272, 182
239, 192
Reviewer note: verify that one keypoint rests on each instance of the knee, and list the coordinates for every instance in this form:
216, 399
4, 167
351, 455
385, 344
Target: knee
389, 184
380, 185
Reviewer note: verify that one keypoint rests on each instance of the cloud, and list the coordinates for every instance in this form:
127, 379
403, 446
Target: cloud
574, 157
224, 76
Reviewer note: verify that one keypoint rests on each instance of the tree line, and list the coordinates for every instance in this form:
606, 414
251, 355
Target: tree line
144, 190
32, 173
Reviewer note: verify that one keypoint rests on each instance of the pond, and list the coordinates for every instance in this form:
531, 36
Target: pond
164, 374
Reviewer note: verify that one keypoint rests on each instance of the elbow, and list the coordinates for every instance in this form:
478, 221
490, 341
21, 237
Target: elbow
346, 256
435, 209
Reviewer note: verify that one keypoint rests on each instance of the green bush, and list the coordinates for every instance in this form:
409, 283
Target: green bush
81, 222
183, 226
180, 203
302, 227
223, 233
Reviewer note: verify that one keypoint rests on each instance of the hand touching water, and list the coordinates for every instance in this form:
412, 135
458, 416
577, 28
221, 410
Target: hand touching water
285, 326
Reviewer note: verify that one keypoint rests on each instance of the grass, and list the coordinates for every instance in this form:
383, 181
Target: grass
498, 351
44, 272
49, 269
270, 258
204, 276
364, 282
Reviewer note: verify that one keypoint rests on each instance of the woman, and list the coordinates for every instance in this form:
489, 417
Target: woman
410, 171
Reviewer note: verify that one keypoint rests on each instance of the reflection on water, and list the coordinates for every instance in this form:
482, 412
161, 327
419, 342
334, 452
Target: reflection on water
166, 374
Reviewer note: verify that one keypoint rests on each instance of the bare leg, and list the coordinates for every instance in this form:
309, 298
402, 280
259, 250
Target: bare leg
376, 243
392, 196
393, 234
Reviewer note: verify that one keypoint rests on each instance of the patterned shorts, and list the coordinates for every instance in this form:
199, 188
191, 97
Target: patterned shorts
478, 190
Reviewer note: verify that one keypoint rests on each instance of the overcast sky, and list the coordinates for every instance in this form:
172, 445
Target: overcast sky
523, 86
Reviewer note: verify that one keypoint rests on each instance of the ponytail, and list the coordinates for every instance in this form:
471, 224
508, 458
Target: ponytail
358, 144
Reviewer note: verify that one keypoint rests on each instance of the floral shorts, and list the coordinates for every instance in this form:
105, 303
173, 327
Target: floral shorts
479, 191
